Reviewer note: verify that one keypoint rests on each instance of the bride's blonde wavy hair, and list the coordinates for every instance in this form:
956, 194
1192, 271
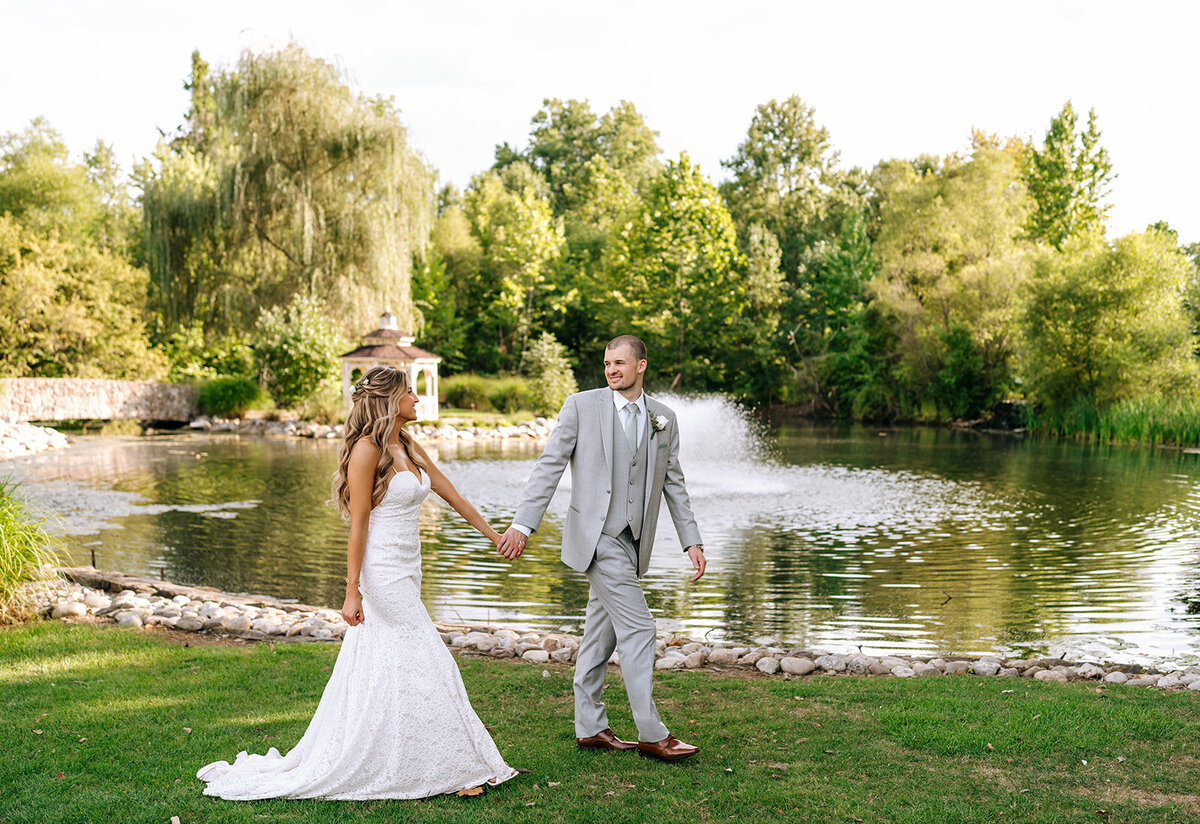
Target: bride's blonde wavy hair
373, 415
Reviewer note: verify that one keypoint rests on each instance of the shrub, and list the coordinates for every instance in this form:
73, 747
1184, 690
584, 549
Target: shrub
230, 396
193, 356
296, 350
325, 405
509, 394
550, 375
25, 547
467, 392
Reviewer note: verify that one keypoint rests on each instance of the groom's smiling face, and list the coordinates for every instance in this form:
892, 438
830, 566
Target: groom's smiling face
622, 371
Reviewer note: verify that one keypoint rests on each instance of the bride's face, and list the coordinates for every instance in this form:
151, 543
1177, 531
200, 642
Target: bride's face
407, 407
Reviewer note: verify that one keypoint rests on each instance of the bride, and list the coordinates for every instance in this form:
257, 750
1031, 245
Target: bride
394, 720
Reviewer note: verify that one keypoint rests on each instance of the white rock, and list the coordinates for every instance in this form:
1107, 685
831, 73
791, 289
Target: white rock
768, 665
563, 655
1187, 679
834, 663
1117, 677
859, 664
96, 601
486, 643
1051, 675
323, 634
902, 671
796, 666
1143, 681
891, 662
264, 624
724, 657
69, 609
1195, 685
924, 670
537, 656
957, 667
236, 623
668, 662
986, 667
128, 619
1089, 671
696, 659
1169, 682
188, 623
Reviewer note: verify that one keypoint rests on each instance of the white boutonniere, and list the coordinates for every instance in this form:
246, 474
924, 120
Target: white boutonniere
657, 424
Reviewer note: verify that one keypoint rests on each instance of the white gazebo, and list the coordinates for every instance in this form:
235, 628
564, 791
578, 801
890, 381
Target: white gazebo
388, 346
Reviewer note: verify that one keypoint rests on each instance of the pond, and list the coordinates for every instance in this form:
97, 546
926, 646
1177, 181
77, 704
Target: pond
908, 540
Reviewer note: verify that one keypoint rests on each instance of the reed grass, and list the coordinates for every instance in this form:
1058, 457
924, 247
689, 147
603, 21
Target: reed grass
25, 550
1154, 421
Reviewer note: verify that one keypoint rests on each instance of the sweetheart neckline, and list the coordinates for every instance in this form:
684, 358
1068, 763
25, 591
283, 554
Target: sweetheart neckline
397, 473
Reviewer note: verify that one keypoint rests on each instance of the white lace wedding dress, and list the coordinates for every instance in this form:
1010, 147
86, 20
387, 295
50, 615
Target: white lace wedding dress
394, 720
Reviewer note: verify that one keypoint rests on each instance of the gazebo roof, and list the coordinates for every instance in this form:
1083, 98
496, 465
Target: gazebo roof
390, 352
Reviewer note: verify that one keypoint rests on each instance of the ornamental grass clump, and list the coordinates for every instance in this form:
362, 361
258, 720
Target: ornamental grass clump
25, 550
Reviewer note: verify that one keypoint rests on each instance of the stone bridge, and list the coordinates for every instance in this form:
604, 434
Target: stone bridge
60, 399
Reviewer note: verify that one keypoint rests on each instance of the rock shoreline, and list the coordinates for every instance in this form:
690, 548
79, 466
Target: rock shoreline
537, 429
17, 439
136, 602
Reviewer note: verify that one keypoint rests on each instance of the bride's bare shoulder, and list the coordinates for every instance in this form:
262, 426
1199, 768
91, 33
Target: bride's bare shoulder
364, 453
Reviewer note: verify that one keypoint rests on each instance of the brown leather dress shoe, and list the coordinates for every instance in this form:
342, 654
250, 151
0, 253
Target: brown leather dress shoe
604, 740
669, 749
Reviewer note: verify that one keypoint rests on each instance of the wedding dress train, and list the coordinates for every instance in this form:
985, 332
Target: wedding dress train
394, 720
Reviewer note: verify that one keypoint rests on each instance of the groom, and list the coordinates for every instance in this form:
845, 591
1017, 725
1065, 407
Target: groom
623, 449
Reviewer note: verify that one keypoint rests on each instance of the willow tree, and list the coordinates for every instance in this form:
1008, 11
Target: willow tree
283, 181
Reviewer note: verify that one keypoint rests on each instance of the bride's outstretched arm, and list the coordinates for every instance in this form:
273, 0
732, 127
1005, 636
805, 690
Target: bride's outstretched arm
440, 484
360, 476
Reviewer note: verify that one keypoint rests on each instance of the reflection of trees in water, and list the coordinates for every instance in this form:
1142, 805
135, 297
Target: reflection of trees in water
288, 537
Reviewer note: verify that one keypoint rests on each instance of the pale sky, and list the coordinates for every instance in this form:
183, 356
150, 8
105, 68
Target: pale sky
888, 78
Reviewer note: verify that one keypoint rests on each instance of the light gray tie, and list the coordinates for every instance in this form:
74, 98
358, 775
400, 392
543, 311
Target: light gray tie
631, 413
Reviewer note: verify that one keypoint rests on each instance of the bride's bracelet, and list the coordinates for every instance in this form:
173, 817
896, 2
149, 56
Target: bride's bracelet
351, 583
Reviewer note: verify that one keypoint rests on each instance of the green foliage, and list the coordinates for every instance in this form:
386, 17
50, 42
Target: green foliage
508, 395
230, 396
296, 350
673, 276
517, 236
1152, 421
567, 137
1105, 323
550, 377
466, 392
25, 547
193, 357
951, 263
441, 330
1068, 179
284, 182
785, 178
69, 310
484, 393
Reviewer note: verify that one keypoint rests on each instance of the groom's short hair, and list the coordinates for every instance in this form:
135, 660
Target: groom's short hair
639, 348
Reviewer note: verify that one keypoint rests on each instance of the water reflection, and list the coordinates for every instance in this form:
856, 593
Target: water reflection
915, 541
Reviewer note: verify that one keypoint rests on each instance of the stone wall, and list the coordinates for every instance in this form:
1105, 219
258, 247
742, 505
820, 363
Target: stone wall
59, 399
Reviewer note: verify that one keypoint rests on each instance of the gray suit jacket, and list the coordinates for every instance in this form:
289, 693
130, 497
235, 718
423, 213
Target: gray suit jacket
583, 439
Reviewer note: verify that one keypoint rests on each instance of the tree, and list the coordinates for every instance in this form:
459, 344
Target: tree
296, 350
43, 190
283, 182
1068, 178
1103, 323
70, 310
549, 371
949, 257
672, 275
518, 236
567, 135
785, 178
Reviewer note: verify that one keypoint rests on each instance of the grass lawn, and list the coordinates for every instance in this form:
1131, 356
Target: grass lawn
100, 724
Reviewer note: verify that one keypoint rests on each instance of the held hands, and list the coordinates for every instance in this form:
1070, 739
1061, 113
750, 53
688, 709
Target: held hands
352, 610
696, 556
512, 543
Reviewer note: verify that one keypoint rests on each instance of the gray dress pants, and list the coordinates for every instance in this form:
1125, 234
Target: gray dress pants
617, 616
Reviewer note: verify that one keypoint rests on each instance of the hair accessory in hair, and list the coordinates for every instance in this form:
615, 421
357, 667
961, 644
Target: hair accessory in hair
362, 383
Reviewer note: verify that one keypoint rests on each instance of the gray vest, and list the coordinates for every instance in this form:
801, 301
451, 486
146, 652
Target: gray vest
626, 507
